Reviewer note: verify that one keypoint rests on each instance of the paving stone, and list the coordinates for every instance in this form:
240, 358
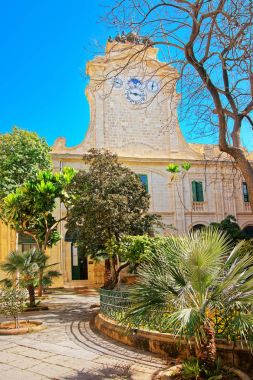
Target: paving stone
51, 370
26, 362
6, 345
15, 374
29, 352
8, 357
69, 349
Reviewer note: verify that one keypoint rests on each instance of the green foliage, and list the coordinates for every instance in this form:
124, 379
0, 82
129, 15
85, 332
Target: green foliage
21, 267
173, 168
191, 369
48, 278
135, 249
30, 208
200, 276
246, 247
132, 249
22, 154
25, 268
109, 201
230, 227
186, 166
13, 302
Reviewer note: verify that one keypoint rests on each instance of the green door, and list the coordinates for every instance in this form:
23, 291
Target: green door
79, 264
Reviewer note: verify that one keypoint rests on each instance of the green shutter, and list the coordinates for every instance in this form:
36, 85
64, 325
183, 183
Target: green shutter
194, 191
197, 191
200, 194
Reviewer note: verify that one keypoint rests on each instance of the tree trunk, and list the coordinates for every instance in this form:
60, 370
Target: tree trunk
31, 292
111, 277
112, 281
107, 273
40, 287
207, 352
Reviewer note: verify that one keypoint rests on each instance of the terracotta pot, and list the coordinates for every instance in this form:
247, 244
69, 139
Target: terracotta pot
25, 327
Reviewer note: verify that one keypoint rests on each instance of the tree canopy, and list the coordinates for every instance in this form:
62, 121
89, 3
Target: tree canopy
30, 208
22, 154
109, 202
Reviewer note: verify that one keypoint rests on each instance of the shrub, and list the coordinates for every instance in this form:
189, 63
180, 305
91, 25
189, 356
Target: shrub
13, 302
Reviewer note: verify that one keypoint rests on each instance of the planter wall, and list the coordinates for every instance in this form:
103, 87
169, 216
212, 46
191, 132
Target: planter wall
168, 345
34, 326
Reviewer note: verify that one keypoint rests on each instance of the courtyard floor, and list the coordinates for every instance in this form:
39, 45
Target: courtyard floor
70, 347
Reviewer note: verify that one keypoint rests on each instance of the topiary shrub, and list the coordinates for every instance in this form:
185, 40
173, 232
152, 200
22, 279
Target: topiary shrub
13, 302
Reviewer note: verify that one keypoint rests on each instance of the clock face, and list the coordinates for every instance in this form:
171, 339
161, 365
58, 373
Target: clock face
135, 95
117, 82
152, 86
135, 83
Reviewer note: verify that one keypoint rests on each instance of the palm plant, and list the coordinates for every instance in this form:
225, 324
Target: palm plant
190, 280
46, 275
23, 270
29, 269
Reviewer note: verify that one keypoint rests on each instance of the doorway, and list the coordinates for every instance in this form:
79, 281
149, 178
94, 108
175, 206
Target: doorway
79, 264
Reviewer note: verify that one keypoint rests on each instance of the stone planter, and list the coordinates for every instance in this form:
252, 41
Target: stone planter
168, 345
25, 327
169, 373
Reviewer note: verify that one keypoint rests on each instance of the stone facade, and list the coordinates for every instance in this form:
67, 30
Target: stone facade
136, 117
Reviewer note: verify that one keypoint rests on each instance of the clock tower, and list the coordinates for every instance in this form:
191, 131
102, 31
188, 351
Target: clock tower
133, 102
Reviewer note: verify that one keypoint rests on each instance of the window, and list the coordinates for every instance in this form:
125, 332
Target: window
197, 191
245, 192
26, 243
144, 180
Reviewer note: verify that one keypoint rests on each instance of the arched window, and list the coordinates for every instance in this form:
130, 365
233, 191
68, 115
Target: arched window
25, 242
197, 227
248, 231
79, 263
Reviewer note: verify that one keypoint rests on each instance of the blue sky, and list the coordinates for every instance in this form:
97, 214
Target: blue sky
45, 45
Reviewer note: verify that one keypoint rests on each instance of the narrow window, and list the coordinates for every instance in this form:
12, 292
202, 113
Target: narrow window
144, 180
245, 192
26, 242
197, 191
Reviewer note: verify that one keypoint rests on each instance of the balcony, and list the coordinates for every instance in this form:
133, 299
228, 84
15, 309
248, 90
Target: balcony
198, 206
246, 207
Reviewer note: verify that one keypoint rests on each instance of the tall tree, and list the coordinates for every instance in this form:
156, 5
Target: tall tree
30, 208
211, 45
109, 201
22, 154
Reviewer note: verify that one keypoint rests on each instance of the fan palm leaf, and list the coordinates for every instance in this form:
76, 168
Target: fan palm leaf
188, 281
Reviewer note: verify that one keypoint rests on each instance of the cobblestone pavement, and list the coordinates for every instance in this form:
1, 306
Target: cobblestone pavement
70, 348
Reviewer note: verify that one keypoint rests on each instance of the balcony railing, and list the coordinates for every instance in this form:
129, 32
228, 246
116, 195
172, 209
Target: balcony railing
198, 206
246, 206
